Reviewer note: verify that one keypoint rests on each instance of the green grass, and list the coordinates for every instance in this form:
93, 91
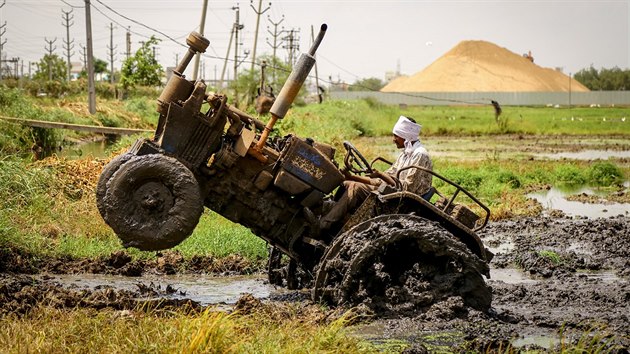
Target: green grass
219, 237
153, 331
335, 121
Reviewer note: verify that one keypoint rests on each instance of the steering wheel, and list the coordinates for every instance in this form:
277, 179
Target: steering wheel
354, 161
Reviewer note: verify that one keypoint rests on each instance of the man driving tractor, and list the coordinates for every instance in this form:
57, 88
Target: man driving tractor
357, 188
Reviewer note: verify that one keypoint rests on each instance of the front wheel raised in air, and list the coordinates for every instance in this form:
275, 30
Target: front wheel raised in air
398, 263
152, 202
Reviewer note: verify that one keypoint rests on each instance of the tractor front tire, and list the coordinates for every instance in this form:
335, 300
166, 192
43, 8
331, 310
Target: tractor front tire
152, 202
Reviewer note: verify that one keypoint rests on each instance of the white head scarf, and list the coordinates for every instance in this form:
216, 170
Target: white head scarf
407, 130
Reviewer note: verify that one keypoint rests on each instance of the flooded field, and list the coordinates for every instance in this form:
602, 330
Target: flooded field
556, 199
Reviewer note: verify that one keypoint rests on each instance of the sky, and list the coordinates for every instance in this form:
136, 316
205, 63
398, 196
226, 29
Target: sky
364, 39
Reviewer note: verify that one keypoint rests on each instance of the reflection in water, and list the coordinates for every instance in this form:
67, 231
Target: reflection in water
555, 198
78, 151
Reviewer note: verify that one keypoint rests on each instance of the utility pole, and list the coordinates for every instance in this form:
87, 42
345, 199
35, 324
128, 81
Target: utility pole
292, 47
90, 59
111, 48
128, 42
201, 27
68, 45
275, 34
50, 50
258, 13
275, 44
227, 55
83, 55
237, 28
3, 30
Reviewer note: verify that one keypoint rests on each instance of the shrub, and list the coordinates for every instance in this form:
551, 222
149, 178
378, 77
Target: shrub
604, 174
569, 174
509, 178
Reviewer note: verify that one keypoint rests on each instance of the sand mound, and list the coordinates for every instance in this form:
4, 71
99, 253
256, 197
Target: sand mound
480, 66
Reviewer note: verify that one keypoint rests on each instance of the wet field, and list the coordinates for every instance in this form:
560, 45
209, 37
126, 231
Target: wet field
555, 278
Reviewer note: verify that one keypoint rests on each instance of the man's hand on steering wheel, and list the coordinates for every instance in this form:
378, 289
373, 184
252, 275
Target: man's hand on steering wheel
354, 160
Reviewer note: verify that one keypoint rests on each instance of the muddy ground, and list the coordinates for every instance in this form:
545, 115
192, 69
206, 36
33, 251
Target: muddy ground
549, 274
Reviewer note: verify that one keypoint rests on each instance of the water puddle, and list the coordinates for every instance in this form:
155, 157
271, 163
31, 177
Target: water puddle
497, 246
542, 341
556, 198
510, 276
82, 150
200, 288
587, 155
604, 276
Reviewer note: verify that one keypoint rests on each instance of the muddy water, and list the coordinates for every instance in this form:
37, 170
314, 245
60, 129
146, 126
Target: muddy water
82, 150
203, 289
556, 199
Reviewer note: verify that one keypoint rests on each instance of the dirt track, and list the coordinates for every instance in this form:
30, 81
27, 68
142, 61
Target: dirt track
575, 278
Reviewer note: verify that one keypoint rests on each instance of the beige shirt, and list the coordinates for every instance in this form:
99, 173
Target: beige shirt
413, 179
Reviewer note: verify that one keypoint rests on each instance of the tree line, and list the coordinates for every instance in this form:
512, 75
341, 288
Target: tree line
614, 79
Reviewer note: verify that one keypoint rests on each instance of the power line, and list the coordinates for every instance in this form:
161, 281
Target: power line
139, 23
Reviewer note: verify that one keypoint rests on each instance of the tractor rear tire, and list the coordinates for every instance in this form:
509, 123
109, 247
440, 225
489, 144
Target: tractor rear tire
152, 202
400, 263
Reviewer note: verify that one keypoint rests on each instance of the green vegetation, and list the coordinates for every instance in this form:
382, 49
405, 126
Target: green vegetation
142, 69
335, 121
614, 79
156, 331
48, 207
552, 256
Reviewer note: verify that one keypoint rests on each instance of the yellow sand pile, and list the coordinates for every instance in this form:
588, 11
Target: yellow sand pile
480, 66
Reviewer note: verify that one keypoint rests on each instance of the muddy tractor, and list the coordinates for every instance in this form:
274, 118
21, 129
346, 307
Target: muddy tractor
397, 249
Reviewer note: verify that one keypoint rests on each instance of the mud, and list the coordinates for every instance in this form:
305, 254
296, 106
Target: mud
121, 263
572, 285
558, 281
423, 264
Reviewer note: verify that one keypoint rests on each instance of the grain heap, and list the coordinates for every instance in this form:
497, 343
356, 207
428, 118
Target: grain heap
480, 66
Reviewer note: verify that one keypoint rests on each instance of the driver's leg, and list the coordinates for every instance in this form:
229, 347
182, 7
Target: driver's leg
355, 193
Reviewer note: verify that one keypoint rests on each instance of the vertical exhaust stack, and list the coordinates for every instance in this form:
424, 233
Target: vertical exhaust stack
289, 91
178, 88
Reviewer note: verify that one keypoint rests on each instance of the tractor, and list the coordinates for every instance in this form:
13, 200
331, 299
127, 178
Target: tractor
398, 250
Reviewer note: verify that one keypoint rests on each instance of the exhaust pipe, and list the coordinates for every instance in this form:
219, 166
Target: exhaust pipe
289, 91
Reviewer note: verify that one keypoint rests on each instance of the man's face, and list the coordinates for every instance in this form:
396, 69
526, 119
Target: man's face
400, 142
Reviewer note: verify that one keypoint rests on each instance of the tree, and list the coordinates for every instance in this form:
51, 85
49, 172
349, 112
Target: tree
605, 79
142, 68
58, 68
369, 84
100, 66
